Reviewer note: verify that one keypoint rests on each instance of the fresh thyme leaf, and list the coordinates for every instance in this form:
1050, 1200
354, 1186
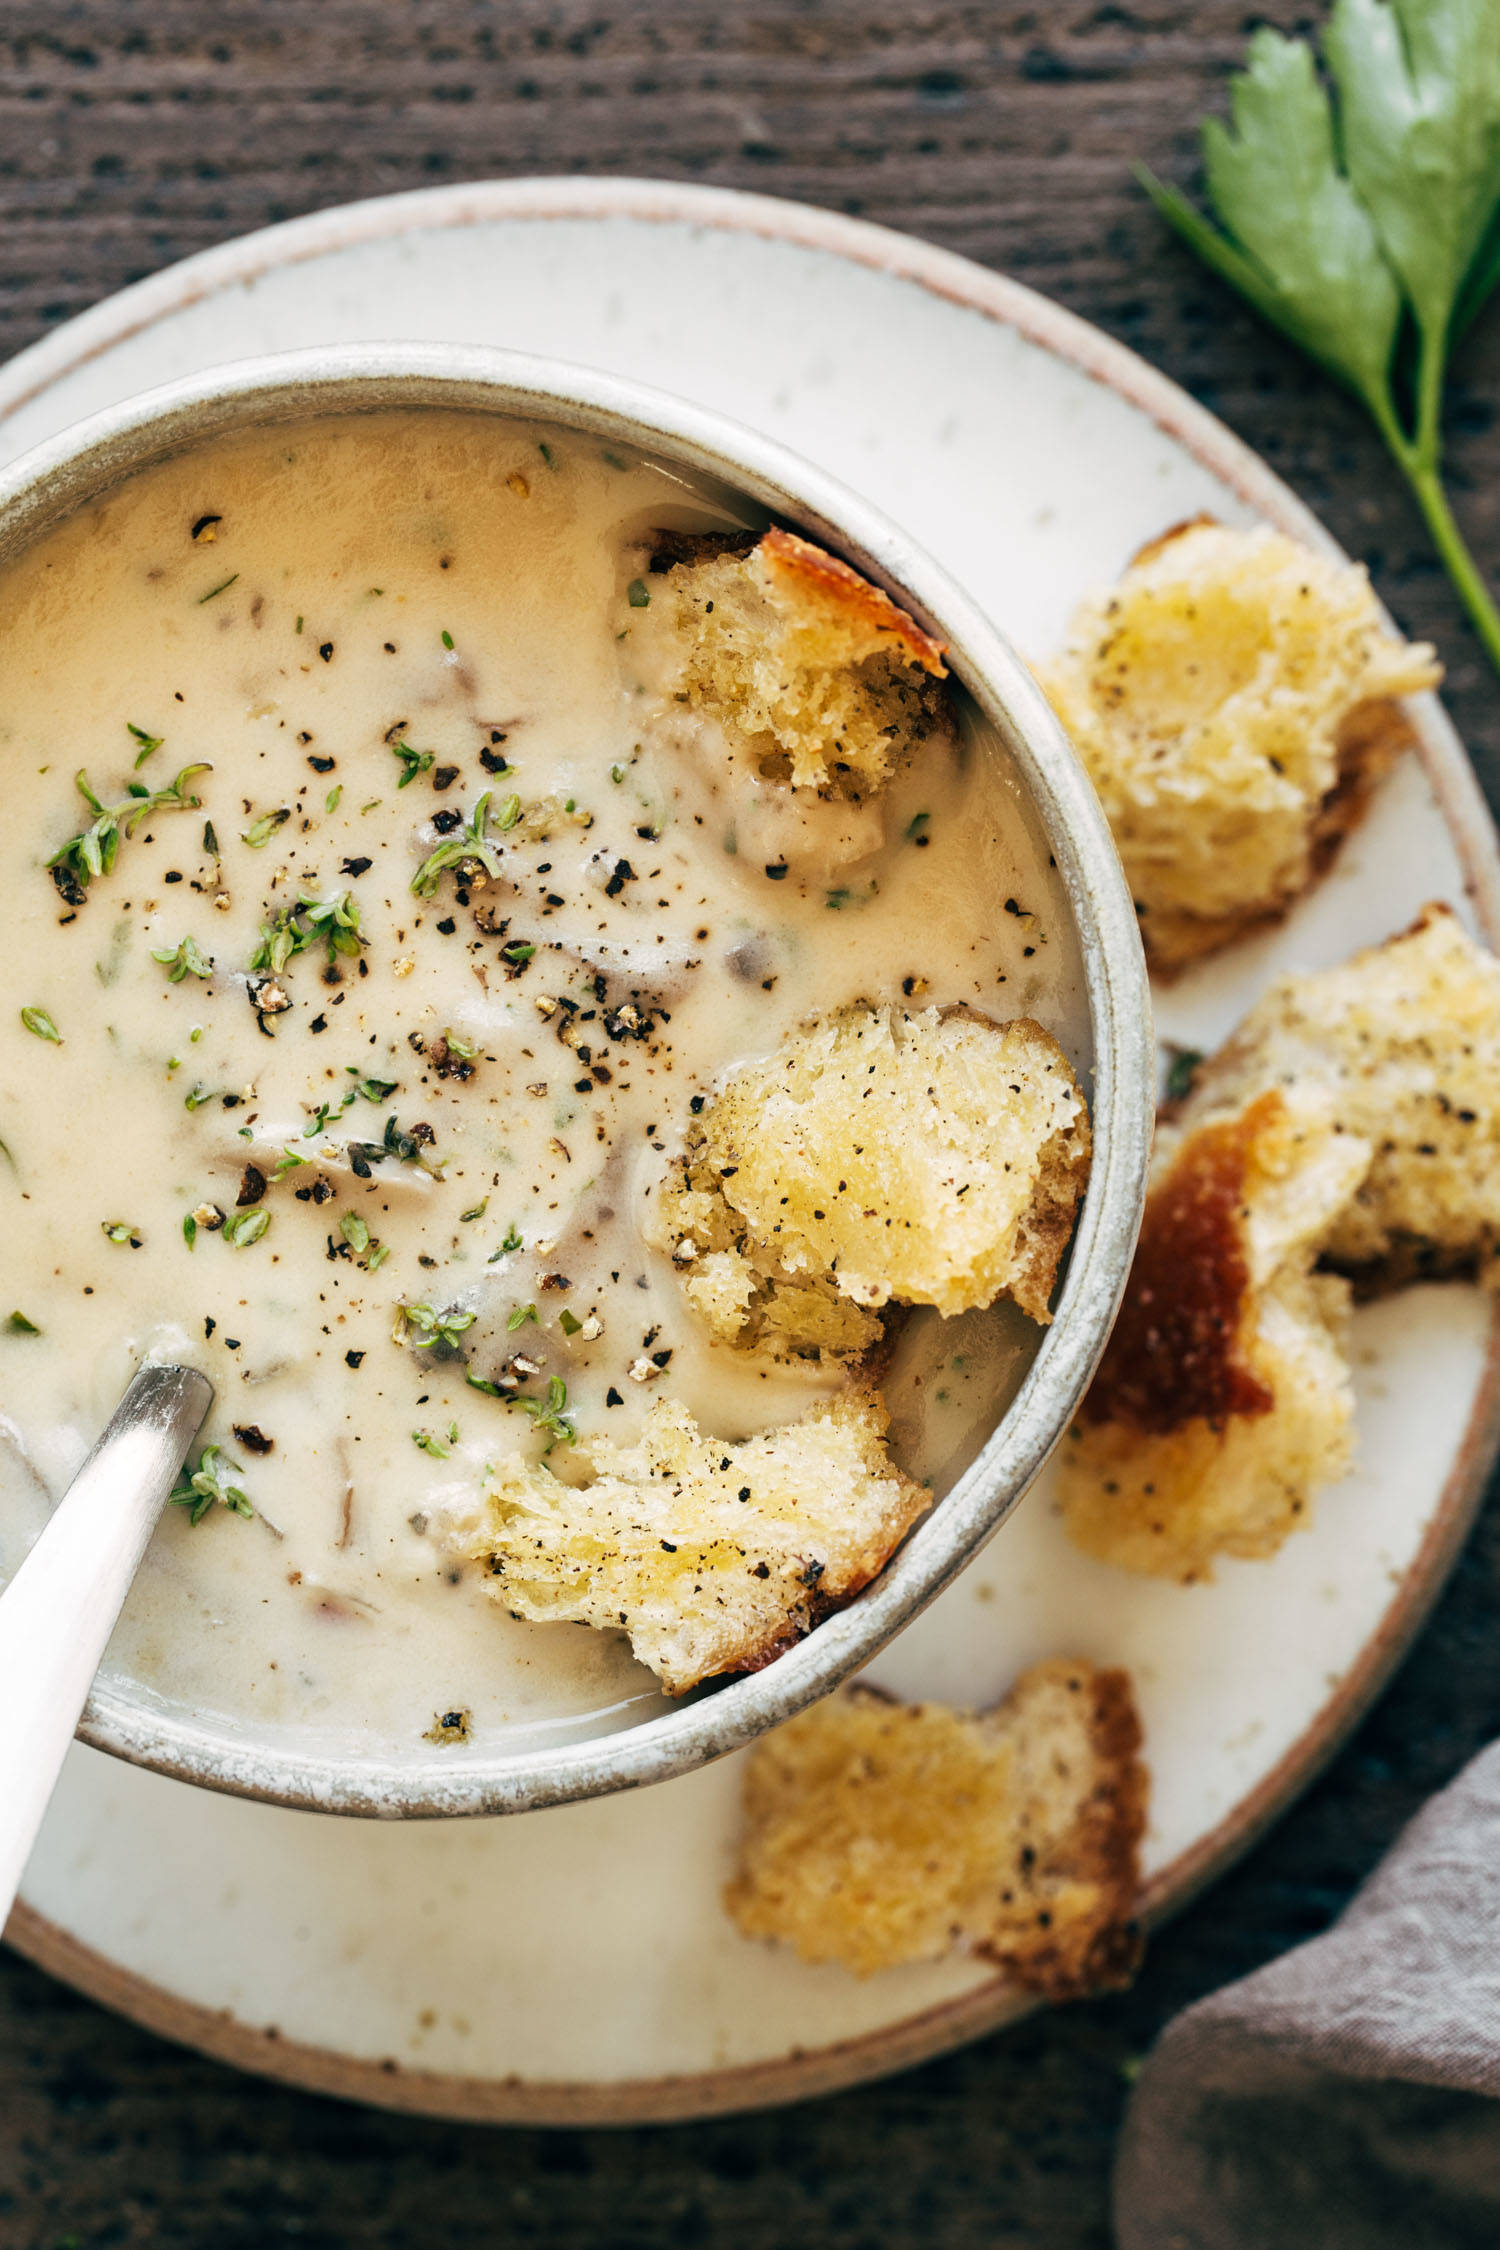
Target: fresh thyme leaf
569, 1322
93, 852
477, 1212
378, 1255
120, 1231
480, 1383
470, 842
372, 1089
517, 953
431, 1331
260, 832
429, 1444
638, 594
550, 1414
520, 1316
148, 742
333, 922
40, 1024
1369, 222
19, 1325
447, 640
189, 1229
183, 960
210, 839
288, 1162
242, 1228
412, 761
512, 1238
355, 1232
331, 801
198, 1096
208, 1484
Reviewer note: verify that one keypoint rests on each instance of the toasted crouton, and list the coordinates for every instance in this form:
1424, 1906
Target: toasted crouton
935, 1159
811, 670
1405, 1041
878, 1833
714, 1557
1231, 698
1222, 1403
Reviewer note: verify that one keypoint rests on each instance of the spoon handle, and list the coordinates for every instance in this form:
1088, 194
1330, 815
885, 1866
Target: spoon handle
60, 1608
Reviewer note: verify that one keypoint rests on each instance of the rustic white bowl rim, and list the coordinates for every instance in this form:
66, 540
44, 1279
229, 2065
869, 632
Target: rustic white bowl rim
54, 479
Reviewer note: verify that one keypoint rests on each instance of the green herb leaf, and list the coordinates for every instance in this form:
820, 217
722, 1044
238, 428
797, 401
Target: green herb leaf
120, 1231
1419, 111
215, 591
477, 1212
189, 1230
512, 1238
242, 1228
1335, 214
41, 1026
638, 594
519, 1318
447, 640
480, 1383
412, 762
331, 801
208, 1485
19, 1325
470, 842
183, 960
1180, 1073
260, 832
518, 953
569, 1322
148, 742
331, 922
355, 1232
430, 1331
94, 850
429, 1444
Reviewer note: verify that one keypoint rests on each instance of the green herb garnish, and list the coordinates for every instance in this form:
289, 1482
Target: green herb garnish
512, 1239
477, 1212
183, 960
93, 852
412, 761
569, 1322
447, 640
19, 1325
429, 1444
355, 1232
638, 594
260, 832
518, 953
242, 1228
333, 922
1180, 1073
432, 1331
149, 742
209, 1484
222, 588
469, 842
550, 1413
1364, 222
41, 1026
331, 801
520, 1316
189, 1230
120, 1231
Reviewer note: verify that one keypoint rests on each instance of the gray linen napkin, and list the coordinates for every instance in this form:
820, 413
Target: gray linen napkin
1342, 2098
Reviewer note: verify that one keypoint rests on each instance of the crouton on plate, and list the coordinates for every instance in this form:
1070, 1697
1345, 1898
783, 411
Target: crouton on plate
815, 675
1222, 1403
1404, 1039
713, 1557
1231, 698
879, 1157
877, 1833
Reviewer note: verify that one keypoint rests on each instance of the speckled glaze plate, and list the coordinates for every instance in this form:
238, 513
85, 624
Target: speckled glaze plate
575, 1965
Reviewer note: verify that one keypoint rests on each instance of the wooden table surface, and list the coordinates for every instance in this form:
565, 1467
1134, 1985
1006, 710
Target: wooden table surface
135, 131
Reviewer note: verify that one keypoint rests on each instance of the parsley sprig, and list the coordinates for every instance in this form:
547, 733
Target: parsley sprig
93, 851
1365, 224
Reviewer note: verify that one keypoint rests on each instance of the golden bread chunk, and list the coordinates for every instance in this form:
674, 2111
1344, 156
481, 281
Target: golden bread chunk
1404, 1039
932, 1159
813, 672
1231, 698
1222, 1403
714, 1557
877, 1833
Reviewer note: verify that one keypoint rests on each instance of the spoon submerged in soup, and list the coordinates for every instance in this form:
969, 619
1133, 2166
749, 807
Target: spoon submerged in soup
60, 1608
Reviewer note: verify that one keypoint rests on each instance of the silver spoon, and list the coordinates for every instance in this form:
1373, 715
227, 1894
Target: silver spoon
60, 1608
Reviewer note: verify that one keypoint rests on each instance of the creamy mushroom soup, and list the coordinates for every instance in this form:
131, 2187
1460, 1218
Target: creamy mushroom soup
370, 925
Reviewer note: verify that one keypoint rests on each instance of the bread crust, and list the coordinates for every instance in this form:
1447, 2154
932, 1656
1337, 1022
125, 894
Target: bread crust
878, 1832
812, 570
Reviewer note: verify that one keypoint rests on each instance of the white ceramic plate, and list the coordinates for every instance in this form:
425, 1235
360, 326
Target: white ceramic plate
575, 1964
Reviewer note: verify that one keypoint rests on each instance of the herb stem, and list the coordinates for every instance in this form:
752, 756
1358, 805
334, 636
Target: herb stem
1419, 460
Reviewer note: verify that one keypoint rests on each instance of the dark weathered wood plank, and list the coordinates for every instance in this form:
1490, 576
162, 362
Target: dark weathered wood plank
135, 131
